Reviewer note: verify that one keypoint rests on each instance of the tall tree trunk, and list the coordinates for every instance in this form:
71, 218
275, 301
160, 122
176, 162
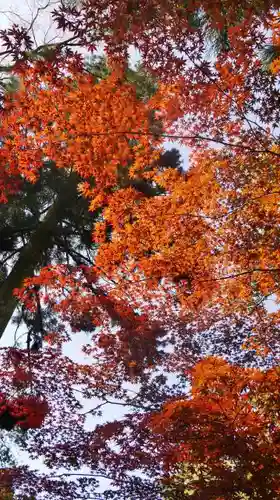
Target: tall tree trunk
31, 254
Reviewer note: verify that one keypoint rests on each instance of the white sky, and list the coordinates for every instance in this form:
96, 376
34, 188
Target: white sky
24, 11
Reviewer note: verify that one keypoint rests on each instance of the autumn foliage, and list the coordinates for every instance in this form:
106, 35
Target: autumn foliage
27, 412
172, 282
228, 431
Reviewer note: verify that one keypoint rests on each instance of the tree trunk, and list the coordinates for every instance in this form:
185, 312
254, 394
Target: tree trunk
31, 254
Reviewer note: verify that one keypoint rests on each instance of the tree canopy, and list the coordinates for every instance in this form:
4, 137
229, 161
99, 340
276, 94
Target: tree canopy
168, 270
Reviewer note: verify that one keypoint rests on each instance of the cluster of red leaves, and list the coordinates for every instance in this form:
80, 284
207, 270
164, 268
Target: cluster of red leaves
28, 412
275, 40
153, 26
90, 129
75, 294
228, 431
